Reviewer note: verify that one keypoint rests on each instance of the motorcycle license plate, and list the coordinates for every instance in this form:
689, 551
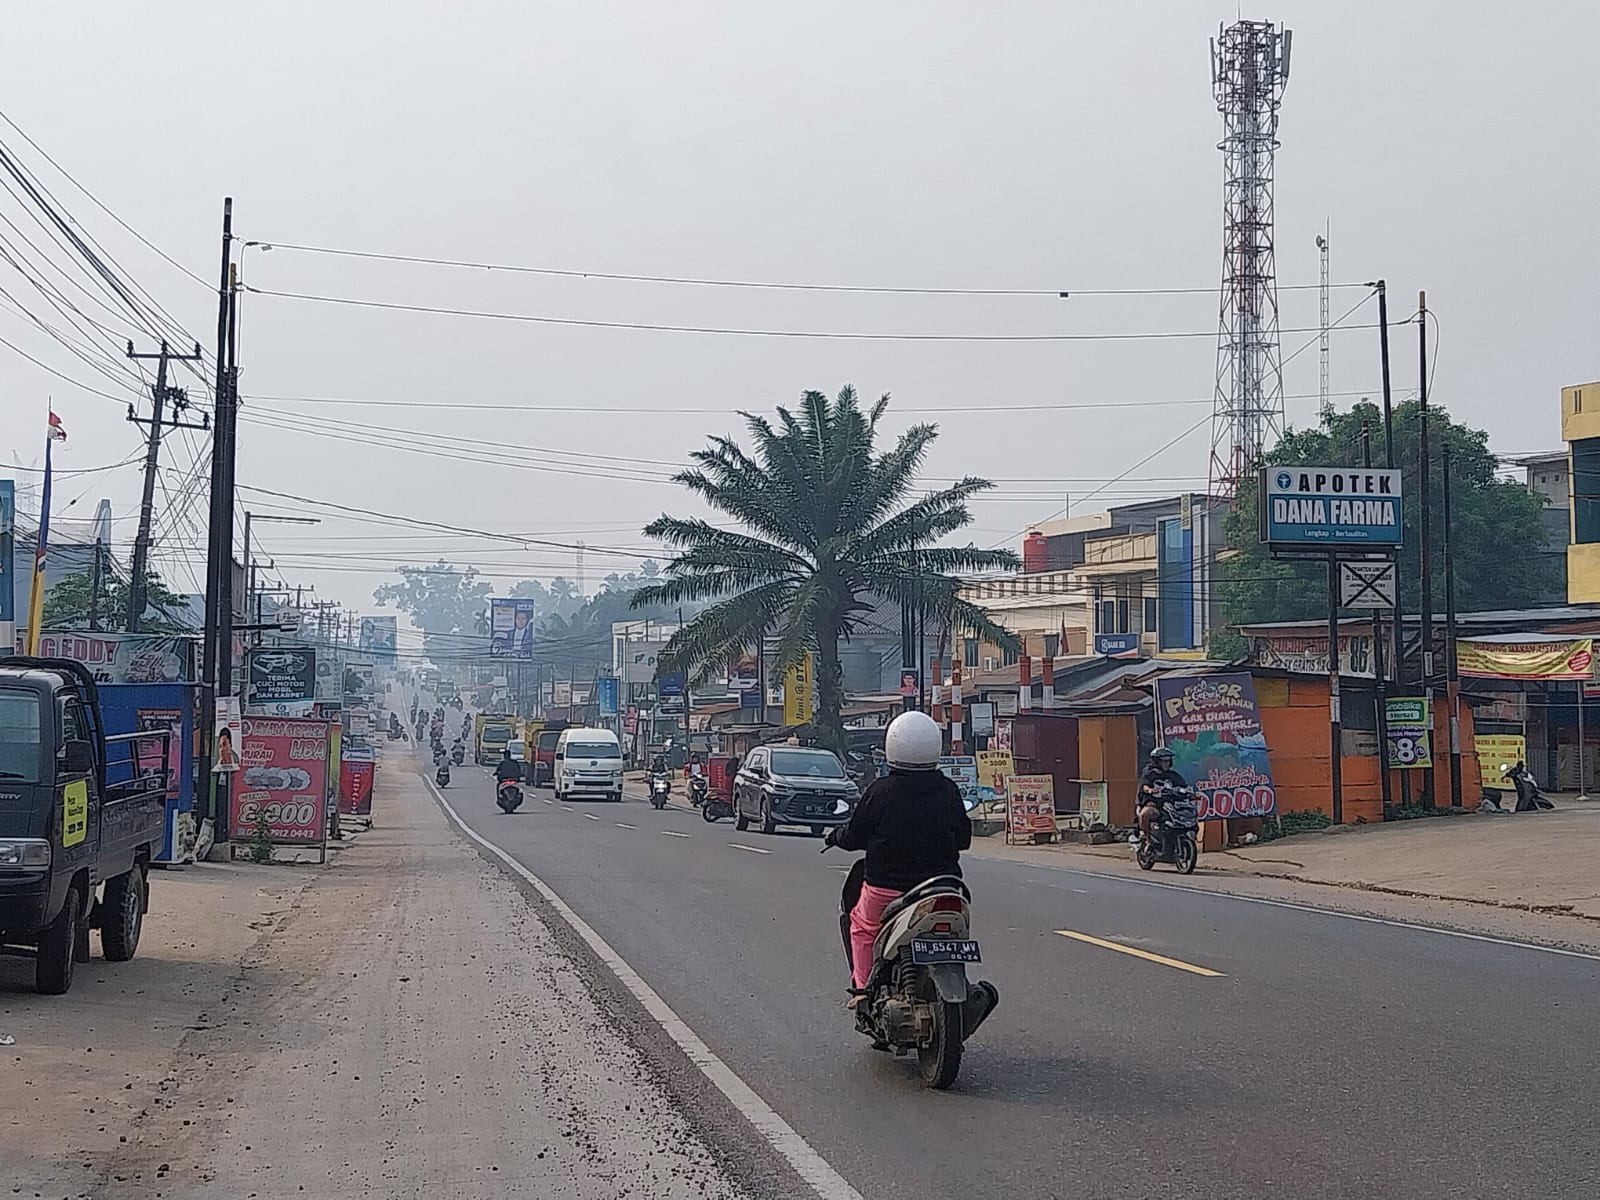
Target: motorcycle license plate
943, 950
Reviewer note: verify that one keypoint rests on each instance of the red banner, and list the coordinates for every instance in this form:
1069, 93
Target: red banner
282, 780
355, 788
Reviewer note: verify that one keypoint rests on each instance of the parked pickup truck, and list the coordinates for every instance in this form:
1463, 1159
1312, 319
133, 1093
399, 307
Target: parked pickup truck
81, 816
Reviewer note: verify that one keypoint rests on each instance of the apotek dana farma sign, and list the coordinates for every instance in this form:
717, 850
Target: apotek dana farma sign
1330, 506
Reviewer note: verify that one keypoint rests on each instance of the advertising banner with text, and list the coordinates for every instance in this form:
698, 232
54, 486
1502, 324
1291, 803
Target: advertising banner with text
1212, 726
282, 782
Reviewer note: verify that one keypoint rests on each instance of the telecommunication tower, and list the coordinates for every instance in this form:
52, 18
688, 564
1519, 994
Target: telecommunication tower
1249, 68
1324, 404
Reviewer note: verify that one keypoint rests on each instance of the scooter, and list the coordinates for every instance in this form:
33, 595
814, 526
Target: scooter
714, 807
1174, 834
442, 775
660, 789
1529, 797
697, 790
508, 795
917, 996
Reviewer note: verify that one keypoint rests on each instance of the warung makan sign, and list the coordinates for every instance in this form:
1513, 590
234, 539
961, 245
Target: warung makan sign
1330, 506
1212, 726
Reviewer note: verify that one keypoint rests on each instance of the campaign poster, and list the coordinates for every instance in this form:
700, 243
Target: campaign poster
1213, 728
281, 681
229, 733
282, 781
511, 627
378, 637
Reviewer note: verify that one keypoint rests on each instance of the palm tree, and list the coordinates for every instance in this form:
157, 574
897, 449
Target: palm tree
833, 530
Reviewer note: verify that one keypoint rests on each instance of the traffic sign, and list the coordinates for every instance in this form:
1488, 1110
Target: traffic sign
1366, 584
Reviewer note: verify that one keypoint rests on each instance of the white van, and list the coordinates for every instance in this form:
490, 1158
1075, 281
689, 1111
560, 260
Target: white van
588, 763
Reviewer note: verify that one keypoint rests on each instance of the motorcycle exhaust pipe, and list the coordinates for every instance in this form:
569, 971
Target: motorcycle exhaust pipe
982, 999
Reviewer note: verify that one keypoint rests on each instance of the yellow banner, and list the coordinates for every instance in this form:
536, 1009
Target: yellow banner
1566, 658
797, 684
1495, 749
993, 767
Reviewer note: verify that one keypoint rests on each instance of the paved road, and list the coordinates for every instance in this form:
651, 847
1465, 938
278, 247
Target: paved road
1326, 1057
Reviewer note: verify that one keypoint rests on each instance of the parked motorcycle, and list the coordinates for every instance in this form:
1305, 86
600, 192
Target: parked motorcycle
713, 808
1529, 797
442, 775
917, 996
660, 789
1174, 834
508, 795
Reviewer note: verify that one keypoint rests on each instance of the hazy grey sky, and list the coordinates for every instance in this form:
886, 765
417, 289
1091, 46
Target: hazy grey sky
1031, 145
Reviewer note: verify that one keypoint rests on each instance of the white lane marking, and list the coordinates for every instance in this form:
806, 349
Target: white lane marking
547, 800
752, 849
590, 817
566, 808
672, 833
1325, 912
624, 825
825, 1182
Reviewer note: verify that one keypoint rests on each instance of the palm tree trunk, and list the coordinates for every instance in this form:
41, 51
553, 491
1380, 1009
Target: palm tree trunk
829, 719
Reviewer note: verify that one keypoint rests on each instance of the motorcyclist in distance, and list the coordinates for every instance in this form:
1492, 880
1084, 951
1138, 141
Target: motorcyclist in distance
1158, 773
507, 768
912, 825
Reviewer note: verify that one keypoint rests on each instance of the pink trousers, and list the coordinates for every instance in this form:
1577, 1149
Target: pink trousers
865, 918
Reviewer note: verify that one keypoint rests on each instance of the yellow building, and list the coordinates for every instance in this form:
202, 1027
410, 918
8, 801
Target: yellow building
1580, 429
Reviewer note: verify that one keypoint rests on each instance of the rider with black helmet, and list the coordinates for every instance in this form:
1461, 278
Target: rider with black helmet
1158, 773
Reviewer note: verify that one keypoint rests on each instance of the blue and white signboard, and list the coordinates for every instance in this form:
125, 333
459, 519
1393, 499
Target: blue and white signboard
669, 683
606, 692
1330, 506
1116, 643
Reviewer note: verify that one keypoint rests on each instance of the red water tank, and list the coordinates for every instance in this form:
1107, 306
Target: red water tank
1035, 553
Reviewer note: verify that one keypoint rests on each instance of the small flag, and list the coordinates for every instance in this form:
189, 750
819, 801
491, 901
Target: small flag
58, 432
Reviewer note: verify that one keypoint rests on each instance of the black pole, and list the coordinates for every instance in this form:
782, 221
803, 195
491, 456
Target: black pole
1399, 562
1335, 730
215, 553
1424, 527
1379, 676
1452, 690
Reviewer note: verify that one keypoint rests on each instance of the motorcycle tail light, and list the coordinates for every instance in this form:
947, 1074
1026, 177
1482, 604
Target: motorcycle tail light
948, 904
942, 927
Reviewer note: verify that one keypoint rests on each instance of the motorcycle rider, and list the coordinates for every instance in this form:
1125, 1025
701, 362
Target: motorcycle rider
912, 825
508, 768
1158, 774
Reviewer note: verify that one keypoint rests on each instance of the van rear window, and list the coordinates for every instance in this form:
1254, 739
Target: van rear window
19, 736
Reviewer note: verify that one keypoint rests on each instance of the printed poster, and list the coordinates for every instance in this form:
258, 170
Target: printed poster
1407, 725
1030, 805
229, 732
283, 781
1213, 728
1495, 749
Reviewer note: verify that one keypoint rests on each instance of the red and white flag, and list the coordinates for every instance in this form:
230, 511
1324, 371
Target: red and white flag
58, 432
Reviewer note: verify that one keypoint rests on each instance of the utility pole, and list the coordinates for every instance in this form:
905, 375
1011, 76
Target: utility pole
94, 586
1379, 676
217, 645
1382, 288
1425, 528
138, 584
1452, 678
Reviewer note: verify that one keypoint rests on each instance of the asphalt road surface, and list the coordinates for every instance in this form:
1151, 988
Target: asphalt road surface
1150, 1041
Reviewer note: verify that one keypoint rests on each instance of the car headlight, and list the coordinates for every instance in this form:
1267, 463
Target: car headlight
24, 854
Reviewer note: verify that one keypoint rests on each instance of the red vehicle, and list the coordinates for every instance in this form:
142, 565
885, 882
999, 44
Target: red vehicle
719, 787
542, 767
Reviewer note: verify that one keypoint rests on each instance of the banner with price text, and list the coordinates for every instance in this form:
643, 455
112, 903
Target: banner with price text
1407, 725
282, 781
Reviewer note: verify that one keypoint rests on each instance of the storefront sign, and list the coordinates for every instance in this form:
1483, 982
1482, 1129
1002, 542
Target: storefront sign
1407, 724
1329, 507
1212, 726
797, 681
1116, 643
1308, 655
281, 682
283, 782
1535, 658
124, 657
1495, 750
1030, 805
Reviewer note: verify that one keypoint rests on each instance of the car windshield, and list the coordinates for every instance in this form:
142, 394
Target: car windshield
819, 764
591, 750
496, 733
19, 736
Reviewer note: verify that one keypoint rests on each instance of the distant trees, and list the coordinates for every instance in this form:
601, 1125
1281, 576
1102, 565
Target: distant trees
69, 602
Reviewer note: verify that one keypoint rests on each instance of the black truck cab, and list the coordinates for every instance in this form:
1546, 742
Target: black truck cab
81, 817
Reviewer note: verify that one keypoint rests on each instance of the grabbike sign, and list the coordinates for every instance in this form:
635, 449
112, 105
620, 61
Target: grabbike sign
282, 781
1212, 726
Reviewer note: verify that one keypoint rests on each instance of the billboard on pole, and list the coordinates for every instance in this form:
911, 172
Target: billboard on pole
511, 627
1324, 507
281, 682
378, 636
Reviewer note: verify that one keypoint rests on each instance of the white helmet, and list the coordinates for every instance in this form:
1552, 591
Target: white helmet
913, 742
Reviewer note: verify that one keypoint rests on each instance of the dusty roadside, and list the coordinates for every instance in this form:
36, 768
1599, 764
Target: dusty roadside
402, 1024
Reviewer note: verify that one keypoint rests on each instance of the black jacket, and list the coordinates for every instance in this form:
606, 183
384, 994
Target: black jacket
912, 826
1154, 778
509, 768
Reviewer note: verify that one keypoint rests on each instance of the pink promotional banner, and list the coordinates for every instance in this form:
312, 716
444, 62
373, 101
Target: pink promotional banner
282, 781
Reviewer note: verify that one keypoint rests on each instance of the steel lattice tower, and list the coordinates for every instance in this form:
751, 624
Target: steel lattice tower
1249, 68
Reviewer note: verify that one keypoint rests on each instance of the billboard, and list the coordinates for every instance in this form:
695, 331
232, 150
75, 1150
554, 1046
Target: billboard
1533, 658
283, 781
281, 681
124, 657
511, 627
1213, 728
378, 636
1330, 506
607, 692
745, 674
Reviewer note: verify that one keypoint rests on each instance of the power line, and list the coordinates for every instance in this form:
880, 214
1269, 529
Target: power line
835, 335
767, 285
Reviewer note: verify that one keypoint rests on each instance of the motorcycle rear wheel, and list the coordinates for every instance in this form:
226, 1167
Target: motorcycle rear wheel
706, 813
940, 1060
